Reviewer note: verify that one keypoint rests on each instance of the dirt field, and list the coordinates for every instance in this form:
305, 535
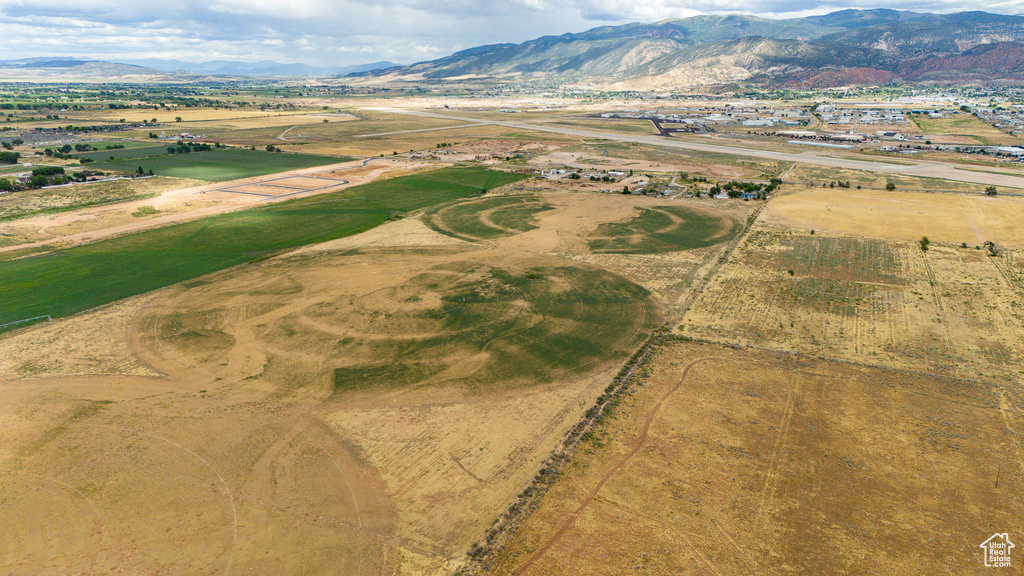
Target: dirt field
733, 462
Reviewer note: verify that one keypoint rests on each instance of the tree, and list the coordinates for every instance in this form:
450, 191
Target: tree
924, 242
6, 185
990, 191
177, 118
890, 186
625, 189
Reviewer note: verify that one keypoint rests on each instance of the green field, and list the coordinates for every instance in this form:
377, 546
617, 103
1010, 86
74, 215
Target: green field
67, 281
212, 166
600, 317
126, 153
663, 229
488, 218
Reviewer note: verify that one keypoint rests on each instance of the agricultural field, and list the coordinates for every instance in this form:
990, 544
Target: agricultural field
211, 166
724, 461
663, 229
74, 279
255, 371
419, 410
488, 218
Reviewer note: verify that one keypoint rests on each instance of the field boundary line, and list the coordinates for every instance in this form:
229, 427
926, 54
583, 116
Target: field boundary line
47, 316
486, 550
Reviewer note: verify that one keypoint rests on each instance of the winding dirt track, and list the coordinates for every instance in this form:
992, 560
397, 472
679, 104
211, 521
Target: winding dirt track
641, 439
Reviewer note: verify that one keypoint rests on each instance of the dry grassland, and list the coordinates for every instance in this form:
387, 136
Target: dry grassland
811, 177
188, 116
28, 201
967, 125
948, 311
732, 462
899, 215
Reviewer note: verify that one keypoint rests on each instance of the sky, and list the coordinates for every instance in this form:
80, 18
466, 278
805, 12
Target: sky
349, 32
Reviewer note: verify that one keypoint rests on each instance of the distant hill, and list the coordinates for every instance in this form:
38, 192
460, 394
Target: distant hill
73, 68
261, 68
845, 47
166, 70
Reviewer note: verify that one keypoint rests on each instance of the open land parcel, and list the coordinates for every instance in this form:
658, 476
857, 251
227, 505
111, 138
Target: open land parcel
371, 402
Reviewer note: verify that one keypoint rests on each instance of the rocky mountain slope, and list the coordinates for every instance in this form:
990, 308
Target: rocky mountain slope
845, 47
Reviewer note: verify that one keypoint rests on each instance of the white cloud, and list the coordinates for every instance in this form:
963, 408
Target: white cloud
353, 31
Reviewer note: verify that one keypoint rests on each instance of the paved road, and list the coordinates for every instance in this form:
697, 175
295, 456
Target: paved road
926, 169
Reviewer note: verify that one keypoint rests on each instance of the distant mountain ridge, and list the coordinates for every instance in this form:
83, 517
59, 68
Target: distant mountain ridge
261, 68
157, 69
844, 47
74, 68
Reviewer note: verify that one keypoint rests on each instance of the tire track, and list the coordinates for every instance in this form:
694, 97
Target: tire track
771, 481
592, 494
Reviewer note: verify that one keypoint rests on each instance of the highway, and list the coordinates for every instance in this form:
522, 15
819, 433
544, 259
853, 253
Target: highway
924, 169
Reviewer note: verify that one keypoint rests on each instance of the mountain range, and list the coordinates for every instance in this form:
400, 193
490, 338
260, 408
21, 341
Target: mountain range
168, 70
841, 48
848, 47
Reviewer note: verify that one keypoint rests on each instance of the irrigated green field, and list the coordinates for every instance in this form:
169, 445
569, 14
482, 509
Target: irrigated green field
213, 166
488, 218
663, 229
75, 279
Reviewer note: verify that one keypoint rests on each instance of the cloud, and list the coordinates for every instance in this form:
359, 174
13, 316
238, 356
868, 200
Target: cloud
343, 32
